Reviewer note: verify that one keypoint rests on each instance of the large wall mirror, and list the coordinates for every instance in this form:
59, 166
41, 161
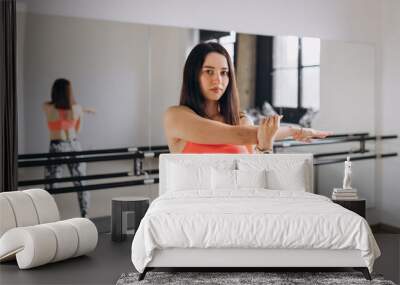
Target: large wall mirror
130, 73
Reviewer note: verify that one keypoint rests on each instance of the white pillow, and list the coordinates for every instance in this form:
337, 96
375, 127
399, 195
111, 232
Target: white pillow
283, 172
223, 179
293, 179
227, 179
251, 178
183, 177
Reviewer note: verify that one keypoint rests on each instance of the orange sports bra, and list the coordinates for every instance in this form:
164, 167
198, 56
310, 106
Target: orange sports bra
191, 147
63, 123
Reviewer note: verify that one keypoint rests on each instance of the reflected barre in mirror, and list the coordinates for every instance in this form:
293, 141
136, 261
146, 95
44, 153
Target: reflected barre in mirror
150, 176
131, 73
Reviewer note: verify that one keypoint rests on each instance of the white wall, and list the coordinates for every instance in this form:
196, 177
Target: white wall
352, 20
347, 106
347, 87
389, 119
169, 47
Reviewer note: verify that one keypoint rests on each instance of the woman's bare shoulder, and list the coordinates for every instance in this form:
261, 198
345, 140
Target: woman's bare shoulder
174, 111
178, 108
171, 116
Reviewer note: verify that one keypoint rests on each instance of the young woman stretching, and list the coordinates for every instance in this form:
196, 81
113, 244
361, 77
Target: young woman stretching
64, 116
208, 118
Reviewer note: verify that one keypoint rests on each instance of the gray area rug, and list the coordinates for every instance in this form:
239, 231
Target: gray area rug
225, 278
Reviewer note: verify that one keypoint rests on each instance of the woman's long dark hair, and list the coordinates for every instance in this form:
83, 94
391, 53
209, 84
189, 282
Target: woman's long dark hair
60, 94
191, 95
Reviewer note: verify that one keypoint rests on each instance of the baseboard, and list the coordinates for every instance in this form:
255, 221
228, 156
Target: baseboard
390, 229
384, 228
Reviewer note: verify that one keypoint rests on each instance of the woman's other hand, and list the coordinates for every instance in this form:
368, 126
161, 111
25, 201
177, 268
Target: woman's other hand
307, 134
89, 110
267, 131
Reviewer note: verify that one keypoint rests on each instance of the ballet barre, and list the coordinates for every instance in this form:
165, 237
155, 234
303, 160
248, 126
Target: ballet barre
139, 154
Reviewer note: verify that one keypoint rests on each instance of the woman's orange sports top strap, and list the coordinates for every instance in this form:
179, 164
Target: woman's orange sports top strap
62, 124
191, 147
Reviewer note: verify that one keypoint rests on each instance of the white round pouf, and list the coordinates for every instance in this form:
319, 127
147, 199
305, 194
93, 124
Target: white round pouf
87, 234
32, 246
23, 208
45, 205
7, 215
31, 233
67, 240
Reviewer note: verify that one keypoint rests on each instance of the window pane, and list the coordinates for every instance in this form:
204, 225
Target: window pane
310, 87
285, 51
228, 39
228, 42
285, 88
230, 48
310, 51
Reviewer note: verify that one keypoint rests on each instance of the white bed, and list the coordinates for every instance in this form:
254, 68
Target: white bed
247, 211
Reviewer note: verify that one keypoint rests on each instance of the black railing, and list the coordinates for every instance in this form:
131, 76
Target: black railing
100, 186
138, 154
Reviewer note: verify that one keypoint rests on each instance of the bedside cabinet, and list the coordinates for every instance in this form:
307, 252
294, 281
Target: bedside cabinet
357, 206
124, 211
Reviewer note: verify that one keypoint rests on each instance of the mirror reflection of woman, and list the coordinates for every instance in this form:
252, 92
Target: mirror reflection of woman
64, 120
208, 118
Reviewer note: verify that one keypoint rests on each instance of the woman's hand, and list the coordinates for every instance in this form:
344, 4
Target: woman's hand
267, 131
89, 110
306, 134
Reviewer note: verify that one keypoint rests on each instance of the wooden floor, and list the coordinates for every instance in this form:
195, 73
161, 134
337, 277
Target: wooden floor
111, 259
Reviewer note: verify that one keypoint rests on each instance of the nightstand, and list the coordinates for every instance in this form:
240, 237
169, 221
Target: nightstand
357, 206
124, 211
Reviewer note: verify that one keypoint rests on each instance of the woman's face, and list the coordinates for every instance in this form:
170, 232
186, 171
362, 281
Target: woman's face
214, 76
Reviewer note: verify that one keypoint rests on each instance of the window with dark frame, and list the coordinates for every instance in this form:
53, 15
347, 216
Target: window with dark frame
226, 39
288, 73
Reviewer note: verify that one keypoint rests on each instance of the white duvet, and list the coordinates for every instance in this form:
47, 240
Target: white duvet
253, 218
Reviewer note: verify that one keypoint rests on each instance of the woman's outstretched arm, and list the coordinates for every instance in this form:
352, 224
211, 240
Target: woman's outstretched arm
181, 122
285, 132
300, 134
